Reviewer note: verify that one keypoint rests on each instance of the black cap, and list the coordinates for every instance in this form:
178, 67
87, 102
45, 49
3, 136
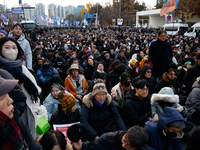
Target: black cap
75, 132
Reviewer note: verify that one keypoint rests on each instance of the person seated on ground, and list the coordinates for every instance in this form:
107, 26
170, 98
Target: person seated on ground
146, 73
169, 80
97, 112
133, 68
113, 76
89, 69
12, 128
75, 82
2, 33
135, 138
37, 65
60, 67
107, 61
193, 103
121, 57
136, 107
166, 133
46, 71
119, 91
52, 102
54, 140
166, 98
99, 68
67, 112
55, 55
182, 70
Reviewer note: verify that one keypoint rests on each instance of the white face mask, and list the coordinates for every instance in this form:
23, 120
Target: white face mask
10, 54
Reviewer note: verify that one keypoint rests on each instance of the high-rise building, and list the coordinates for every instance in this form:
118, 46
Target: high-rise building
40, 9
77, 10
69, 10
2, 8
52, 10
29, 12
59, 11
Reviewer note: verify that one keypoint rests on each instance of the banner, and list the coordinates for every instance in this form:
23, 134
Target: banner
20, 3
169, 6
119, 22
168, 17
17, 10
88, 15
4, 18
63, 128
34, 19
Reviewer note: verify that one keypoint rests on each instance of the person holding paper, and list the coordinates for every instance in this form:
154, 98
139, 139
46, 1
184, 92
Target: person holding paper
67, 112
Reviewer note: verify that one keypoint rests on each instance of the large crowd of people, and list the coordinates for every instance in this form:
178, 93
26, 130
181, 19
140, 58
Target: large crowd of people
130, 88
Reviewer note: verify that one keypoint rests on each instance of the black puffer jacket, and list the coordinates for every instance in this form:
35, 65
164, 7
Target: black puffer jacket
107, 63
19, 98
88, 72
96, 118
61, 67
134, 110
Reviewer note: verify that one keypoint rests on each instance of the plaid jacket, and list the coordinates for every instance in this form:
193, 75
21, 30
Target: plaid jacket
10, 136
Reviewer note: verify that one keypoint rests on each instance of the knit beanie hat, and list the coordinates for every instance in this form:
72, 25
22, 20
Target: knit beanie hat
2, 31
133, 62
46, 60
67, 101
99, 87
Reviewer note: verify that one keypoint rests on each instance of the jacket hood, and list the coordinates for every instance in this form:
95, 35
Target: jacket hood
88, 100
168, 115
21, 38
59, 59
196, 85
165, 77
164, 97
144, 69
131, 95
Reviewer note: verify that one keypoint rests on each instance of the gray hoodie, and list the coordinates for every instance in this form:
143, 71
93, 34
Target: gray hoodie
26, 47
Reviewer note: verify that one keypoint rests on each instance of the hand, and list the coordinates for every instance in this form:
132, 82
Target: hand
79, 97
77, 145
145, 58
155, 118
96, 138
180, 109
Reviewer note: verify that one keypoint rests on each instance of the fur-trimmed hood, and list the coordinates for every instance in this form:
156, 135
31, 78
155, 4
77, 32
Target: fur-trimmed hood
164, 97
88, 100
165, 77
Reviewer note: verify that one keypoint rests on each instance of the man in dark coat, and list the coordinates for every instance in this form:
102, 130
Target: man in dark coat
135, 138
160, 53
136, 107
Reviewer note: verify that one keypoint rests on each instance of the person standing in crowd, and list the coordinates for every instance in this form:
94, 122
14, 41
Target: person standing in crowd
25, 45
160, 53
192, 74
11, 59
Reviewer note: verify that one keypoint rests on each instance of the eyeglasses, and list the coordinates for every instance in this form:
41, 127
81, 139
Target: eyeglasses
149, 71
101, 94
144, 89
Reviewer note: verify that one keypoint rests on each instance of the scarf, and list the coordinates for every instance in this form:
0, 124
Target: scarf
16, 71
11, 135
99, 104
100, 71
76, 79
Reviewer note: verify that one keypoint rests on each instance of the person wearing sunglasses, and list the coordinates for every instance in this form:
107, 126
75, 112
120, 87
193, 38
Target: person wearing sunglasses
169, 80
146, 73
